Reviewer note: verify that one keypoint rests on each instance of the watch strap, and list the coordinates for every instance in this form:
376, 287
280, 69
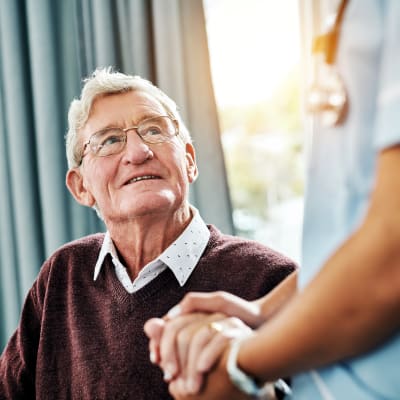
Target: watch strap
248, 384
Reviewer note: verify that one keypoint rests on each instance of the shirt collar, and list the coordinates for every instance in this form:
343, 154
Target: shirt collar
106, 248
181, 256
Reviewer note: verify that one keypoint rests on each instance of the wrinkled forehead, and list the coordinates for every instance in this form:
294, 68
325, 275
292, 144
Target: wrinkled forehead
118, 109
133, 101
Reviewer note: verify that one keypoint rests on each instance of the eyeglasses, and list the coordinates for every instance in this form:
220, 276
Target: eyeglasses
111, 141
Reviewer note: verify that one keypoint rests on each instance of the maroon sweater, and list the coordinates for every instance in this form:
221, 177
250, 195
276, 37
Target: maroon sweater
83, 339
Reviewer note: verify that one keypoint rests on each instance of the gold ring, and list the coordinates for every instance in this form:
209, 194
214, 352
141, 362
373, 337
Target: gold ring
216, 326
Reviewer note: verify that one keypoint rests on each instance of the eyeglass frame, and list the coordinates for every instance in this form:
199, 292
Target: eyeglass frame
125, 131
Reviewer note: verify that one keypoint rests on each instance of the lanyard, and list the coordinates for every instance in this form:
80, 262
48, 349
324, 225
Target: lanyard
327, 96
328, 42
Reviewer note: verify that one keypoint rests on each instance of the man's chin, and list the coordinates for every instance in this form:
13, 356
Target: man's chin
139, 212
143, 205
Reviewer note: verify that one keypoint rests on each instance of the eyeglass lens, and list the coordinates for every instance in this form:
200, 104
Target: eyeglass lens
152, 130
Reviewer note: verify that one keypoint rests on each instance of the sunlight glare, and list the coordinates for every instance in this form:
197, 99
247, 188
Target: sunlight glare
255, 45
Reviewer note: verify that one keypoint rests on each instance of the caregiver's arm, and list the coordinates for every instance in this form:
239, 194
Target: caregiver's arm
352, 305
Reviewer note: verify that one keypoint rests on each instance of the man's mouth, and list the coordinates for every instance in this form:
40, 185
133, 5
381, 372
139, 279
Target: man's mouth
142, 178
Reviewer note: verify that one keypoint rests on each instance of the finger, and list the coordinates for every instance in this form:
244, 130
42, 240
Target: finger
211, 353
200, 339
177, 389
154, 352
227, 329
192, 302
195, 333
168, 345
219, 301
154, 329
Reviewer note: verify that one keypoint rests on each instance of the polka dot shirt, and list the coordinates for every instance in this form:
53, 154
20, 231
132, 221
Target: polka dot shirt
181, 256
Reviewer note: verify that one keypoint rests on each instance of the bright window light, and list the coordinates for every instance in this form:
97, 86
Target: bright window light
255, 61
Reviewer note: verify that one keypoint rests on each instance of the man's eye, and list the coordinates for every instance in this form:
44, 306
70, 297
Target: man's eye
153, 131
110, 140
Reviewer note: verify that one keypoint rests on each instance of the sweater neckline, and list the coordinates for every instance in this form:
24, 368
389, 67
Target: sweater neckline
164, 279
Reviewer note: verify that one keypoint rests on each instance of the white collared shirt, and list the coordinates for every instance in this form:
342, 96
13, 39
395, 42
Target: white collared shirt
181, 256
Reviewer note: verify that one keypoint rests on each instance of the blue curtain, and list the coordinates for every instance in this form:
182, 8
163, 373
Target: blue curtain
46, 48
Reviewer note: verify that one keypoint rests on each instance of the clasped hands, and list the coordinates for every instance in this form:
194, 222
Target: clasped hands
192, 341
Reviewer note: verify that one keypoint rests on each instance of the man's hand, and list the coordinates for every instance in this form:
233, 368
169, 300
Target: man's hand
216, 386
189, 346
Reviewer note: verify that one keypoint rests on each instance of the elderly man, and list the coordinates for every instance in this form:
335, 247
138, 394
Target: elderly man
81, 330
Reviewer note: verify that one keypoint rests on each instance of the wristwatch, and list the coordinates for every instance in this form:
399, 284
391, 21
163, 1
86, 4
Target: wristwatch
248, 384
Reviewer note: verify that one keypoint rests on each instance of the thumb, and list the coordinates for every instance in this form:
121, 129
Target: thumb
154, 329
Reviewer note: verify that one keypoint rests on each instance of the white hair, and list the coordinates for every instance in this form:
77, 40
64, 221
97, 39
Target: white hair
106, 81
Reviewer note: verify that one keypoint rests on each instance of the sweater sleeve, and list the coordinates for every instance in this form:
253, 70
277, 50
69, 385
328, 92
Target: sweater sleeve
18, 360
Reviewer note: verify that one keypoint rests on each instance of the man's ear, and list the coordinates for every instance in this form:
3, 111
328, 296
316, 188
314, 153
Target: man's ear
191, 166
75, 184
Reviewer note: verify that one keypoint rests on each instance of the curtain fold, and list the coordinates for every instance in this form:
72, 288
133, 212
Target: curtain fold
48, 120
46, 48
22, 217
8, 275
183, 71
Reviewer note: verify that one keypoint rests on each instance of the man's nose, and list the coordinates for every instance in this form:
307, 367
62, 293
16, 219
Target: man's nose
136, 150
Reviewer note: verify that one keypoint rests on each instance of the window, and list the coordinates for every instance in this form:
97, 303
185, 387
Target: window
255, 62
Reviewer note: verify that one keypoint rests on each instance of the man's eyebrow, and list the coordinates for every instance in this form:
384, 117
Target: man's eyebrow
150, 115
142, 118
104, 128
